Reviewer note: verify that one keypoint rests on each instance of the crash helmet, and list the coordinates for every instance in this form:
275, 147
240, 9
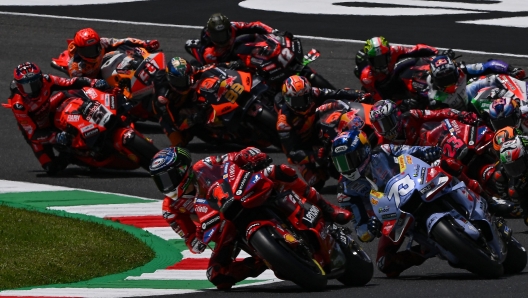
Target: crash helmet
296, 91
378, 51
502, 135
171, 170
504, 112
444, 74
219, 30
88, 45
28, 79
385, 116
513, 156
351, 153
179, 74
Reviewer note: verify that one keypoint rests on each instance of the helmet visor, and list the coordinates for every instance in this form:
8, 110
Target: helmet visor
447, 81
179, 81
516, 168
386, 124
168, 181
90, 52
347, 163
502, 122
379, 63
298, 103
32, 88
220, 38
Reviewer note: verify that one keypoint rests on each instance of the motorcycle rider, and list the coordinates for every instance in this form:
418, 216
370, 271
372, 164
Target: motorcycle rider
218, 38
33, 101
87, 49
363, 169
393, 126
295, 124
448, 79
508, 111
179, 180
377, 77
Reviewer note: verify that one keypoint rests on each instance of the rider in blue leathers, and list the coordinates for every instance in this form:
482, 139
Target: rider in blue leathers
363, 169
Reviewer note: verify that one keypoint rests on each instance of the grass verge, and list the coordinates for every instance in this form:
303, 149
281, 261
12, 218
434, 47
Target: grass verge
40, 249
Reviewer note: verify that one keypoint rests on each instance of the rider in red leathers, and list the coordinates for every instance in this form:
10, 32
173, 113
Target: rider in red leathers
382, 57
33, 104
182, 182
87, 49
218, 38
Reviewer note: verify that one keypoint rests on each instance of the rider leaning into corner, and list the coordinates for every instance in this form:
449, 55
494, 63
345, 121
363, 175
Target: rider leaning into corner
218, 38
296, 123
181, 183
362, 169
87, 50
33, 101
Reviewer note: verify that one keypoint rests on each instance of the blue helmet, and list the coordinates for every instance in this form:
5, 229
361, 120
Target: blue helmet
171, 170
179, 73
505, 112
351, 153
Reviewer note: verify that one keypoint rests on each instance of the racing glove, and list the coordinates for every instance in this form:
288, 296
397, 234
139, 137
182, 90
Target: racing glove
63, 138
197, 246
56, 165
152, 45
468, 117
101, 85
300, 157
516, 72
432, 153
449, 53
252, 159
374, 226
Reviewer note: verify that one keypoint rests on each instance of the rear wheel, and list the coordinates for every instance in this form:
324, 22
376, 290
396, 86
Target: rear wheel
303, 271
475, 258
516, 259
143, 149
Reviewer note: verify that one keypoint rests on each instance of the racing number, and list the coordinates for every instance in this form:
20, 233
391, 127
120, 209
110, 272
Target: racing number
453, 147
146, 72
401, 188
285, 57
234, 91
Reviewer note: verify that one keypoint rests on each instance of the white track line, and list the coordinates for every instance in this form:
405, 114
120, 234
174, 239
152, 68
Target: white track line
199, 27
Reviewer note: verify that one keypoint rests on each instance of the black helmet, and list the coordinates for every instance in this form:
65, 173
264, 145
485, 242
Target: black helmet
219, 29
171, 170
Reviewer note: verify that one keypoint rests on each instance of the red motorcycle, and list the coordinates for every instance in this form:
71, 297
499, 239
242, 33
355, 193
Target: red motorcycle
289, 234
102, 135
471, 144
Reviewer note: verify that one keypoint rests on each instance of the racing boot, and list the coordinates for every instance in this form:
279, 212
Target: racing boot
330, 211
224, 278
393, 264
500, 207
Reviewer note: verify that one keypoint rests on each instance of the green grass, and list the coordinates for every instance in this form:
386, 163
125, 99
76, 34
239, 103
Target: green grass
42, 249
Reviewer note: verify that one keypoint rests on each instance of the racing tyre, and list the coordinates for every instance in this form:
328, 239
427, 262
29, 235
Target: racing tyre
303, 271
143, 149
268, 123
516, 259
359, 268
474, 257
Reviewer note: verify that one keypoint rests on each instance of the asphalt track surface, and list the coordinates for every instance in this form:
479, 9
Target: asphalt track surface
38, 39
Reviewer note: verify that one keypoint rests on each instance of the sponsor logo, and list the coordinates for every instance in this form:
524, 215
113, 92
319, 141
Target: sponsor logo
340, 149
232, 172
201, 201
251, 227
472, 132
422, 175
388, 216
416, 170
426, 188
312, 214
243, 183
201, 208
383, 209
18, 106
87, 128
157, 162
247, 196
210, 222
74, 118
373, 201
91, 132
401, 162
408, 159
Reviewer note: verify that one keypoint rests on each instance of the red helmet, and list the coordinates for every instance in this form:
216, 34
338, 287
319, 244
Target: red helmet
28, 78
88, 44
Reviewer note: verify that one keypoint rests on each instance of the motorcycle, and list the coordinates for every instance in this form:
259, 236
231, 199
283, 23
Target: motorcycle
283, 229
232, 102
102, 134
511, 88
274, 57
133, 70
472, 145
427, 205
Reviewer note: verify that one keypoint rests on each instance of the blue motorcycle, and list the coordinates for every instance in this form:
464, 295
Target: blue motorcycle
436, 210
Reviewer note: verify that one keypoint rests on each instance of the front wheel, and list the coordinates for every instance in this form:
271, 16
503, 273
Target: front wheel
468, 252
359, 268
143, 149
303, 271
516, 259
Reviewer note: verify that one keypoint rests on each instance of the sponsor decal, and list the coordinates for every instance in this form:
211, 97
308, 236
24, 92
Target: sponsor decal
426, 188
340, 149
208, 234
312, 214
201, 208
206, 225
182, 209
416, 170
408, 159
290, 239
243, 183
91, 132
373, 201
377, 194
18, 106
383, 209
472, 135
388, 216
247, 196
74, 118
422, 176
201, 201
401, 162
87, 127
156, 163
251, 227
